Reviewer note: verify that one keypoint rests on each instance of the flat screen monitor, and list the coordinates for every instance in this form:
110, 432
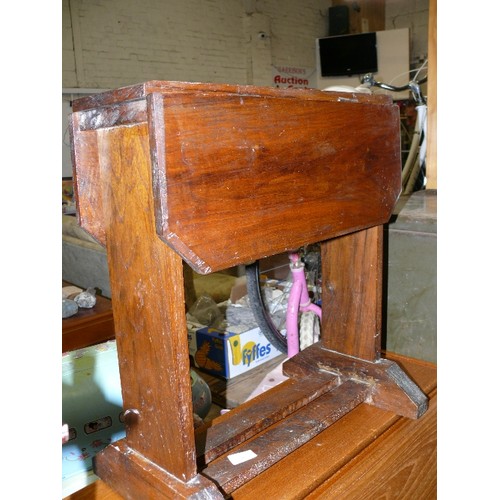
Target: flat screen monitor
347, 55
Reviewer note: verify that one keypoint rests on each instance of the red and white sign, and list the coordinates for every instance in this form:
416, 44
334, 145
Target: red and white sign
285, 77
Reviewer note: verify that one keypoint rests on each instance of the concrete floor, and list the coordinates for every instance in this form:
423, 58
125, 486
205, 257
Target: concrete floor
411, 277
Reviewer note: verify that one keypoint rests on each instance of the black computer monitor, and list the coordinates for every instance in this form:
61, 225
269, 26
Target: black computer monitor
347, 55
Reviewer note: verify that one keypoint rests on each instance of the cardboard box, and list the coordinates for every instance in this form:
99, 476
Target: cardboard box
229, 354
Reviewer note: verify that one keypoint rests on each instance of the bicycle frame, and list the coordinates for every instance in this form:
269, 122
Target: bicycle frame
416, 156
298, 301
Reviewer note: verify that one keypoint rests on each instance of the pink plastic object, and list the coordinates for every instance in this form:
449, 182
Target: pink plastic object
298, 301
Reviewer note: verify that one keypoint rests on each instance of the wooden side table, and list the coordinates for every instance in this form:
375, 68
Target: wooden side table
216, 176
88, 326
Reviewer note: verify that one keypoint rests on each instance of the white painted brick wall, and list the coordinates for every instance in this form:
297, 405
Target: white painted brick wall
122, 42
295, 26
68, 55
111, 43
413, 14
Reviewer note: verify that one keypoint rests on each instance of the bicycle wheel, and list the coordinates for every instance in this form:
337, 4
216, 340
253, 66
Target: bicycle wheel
259, 309
309, 329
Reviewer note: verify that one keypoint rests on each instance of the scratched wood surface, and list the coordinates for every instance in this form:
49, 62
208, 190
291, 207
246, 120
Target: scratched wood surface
370, 453
244, 422
219, 174
391, 388
362, 432
138, 92
146, 279
232, 167
285, 436
228, 188
352, 293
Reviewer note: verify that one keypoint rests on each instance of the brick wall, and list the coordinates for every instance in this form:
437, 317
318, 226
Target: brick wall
110, 43
413, 14
68, 54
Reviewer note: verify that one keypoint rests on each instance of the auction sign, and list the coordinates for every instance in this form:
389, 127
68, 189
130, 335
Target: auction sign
285, 77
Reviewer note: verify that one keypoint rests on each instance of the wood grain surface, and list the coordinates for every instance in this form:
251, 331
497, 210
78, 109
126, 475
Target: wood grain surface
234, 174
368, 454
146, 279
217, 176
352, 293
236, 179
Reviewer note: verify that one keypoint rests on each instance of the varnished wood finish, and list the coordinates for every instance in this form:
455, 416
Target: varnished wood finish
220, 175
244, 422
370, 453
388, 386
402, 465
145, 479
227, 189
87, 180
286, 436
137, 93
401, 452
352, 293
146, 278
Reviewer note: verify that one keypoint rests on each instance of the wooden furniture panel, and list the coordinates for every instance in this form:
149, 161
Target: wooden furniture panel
355, 319
353, 442
431, 158
402, 465
146, 267
148, 159
227, 190
370, 453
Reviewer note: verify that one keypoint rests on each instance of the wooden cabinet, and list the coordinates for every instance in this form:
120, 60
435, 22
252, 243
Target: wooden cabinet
88, 326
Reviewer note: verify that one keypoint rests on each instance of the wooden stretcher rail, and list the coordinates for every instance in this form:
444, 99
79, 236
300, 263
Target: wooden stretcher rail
367, 454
